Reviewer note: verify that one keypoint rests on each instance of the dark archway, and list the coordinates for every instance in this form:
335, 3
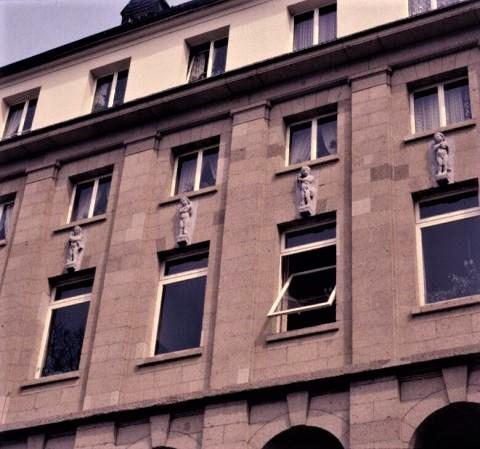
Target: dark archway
303, 437
454, 426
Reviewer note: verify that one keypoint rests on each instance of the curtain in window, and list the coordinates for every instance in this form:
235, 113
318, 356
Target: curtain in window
102, 93
5, 220
327, 138
102, 196
187, 166
219, 57
300, 143
32, 106
121, 87
328, 25
198, 66
209, 168
419, 6
426, 110
457, 102
81, 203
13, 120
303, 31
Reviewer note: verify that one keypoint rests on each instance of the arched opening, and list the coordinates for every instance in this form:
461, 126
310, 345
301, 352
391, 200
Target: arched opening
454, 426
303, 437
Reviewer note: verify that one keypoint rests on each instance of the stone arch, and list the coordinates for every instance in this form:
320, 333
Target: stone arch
304, 437
454, 425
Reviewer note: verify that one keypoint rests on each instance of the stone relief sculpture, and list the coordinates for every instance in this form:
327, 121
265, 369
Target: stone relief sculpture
185, 214
442, 159
307, 192
75, 249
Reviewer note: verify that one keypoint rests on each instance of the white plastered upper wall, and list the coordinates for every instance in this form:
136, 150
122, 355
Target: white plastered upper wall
258, 30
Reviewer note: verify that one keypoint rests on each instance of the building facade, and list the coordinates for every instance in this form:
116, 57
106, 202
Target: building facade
244, 225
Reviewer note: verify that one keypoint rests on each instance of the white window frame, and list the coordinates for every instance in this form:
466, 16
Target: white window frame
422, 223
211, 53
173, 279
198, 168
273, 312
2, 208
316, 23
113, 87
92, 199
22, 117
52, 306
442, 110
313, 136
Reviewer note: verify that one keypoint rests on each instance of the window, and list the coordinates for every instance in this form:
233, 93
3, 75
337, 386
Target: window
207, 60
194, 171
312, 139
308, 266
420, 6
182, 295
110, 90
440, 105
314, 27
6, 209
90, 198
448, 232
20, 118
67, 317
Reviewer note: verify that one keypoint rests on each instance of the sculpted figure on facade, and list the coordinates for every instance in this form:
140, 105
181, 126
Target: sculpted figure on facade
75, 249
443, 160
185, 221
307, 192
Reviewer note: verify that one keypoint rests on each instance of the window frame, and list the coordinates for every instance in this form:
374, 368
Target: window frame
316, 24
93, 198
198, 168
442, 109
313, 137
3, 205
173, 279
52, 306
23, 117
211, 53
421, 223
113, 88
433, 6
272, 313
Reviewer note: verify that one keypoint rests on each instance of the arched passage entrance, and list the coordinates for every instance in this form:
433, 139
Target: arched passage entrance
304, 437
453, 426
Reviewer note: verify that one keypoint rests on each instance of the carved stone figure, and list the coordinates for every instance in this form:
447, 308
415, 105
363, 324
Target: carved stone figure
185, 221
307, 192
441, 153
75, 249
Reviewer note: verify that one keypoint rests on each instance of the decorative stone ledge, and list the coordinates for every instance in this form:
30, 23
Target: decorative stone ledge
443, 129
171, 356
314, 330
320, 161
196, 193
48, 380
84, 222
449, 304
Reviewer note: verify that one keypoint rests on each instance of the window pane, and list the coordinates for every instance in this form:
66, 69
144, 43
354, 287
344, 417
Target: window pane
180, 325
71, 290
64, 345
441, 3
451, 255
311, 318
5, 220
419, 6
120, 88
448, 204
327, 136
327, 24
300, 142
303, 31
308, 260
311, 235
81, 203
199, 62
209, 168
219, 57
32, 106
457, 102
102, 93
102, 196
187, 166
13, 120
195, 262
426, 110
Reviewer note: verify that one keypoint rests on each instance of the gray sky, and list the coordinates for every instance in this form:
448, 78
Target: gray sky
28, 27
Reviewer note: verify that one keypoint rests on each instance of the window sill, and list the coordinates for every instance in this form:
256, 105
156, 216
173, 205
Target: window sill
84, 222
48, 380
315, 162
314, 330
430, 133
194, 194
171, 356
448, 304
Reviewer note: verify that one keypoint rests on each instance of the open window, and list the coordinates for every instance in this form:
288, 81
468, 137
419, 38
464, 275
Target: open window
110, 85
207, 59
308, 266
20, 117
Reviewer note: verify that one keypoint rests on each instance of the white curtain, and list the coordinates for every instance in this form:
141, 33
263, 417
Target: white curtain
419, 6
209, 169
328, 26
186, 174
5, 220
327, 138
426, 112
303, 32
457, 103
300, 143
198, 66
102, 93
13, 121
